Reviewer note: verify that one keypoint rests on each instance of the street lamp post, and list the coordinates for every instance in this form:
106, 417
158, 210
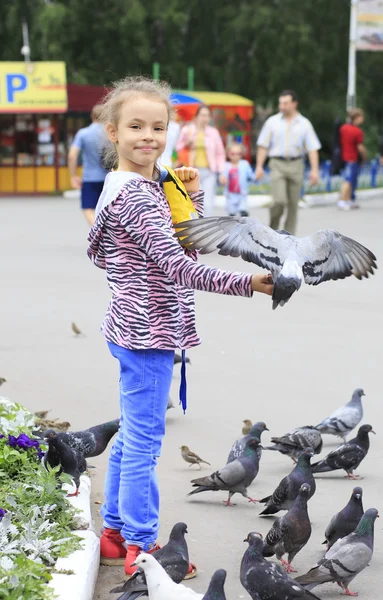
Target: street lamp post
351, 86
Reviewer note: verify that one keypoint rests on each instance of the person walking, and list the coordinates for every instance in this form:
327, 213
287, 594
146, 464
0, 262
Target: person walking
172, 136
151, 312
206, 153
235, 177
286, 138
89, 142
353, 152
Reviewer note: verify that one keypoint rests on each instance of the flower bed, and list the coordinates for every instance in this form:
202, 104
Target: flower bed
36, 519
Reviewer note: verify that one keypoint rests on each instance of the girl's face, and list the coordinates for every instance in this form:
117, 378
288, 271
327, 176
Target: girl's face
140, 135
235, 154
203, 117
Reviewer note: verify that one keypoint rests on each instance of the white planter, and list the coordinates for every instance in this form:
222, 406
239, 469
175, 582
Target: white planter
85, 562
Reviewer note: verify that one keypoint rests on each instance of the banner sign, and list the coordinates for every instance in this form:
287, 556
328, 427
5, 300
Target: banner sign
36, 87
370, 25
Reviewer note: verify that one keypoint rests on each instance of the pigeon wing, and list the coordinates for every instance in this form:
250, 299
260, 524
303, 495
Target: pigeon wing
235, 236
330, 255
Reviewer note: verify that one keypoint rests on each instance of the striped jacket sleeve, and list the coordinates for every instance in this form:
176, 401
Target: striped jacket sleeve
141, 218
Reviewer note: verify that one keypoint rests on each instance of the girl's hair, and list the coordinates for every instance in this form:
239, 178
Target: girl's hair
201, 107
123, 91
354, 113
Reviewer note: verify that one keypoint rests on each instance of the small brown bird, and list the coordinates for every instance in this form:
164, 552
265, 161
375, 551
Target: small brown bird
2, 380
247, 426
191, 457
41, 414
76, 330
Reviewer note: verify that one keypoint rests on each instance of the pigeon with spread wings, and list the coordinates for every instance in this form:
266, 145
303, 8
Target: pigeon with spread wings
322, 256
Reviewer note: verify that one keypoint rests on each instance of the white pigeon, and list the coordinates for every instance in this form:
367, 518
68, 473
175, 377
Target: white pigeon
322, 256
160, 586
342, 421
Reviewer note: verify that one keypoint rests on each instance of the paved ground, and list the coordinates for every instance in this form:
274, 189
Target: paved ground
289, 367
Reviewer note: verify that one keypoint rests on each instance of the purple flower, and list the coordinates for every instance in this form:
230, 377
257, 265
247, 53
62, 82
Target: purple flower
2, 513
1, 436
24, 442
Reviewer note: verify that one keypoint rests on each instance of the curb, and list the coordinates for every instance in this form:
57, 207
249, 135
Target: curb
85, 562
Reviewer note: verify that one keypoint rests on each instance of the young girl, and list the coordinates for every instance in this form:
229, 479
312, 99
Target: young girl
152, 307
235, 177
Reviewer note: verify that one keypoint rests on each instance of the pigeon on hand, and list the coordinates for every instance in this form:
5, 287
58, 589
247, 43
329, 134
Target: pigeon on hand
295, 441
288, 489
90, 442
191, 457
234, 477
247, 426
319, 257
346, 558
76, 330
2, 380
345, 418
348, 456
173, 557
216, 588
345, 521
265, 580
291, 532
178, 359
160, 585
70, 460
239, 446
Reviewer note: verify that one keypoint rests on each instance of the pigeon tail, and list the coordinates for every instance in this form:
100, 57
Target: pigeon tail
202, 488
321, 467
270, 510
284, 288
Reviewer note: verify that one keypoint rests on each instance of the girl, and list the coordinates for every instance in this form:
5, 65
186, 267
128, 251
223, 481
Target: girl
235, 177
152, 307
207, 153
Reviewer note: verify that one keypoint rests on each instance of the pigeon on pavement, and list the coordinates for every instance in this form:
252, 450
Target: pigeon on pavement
322, 256
345, 521
216, 588
348, 456
70, 460
173, 557
265, 580
234, 477
160, 585
239, 446
345, 418
247, 425
288, 489
90, 442
291, 532
293, 442
346, 558
191, 457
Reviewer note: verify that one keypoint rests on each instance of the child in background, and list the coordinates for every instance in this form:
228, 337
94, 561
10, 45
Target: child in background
151, 312
235, 177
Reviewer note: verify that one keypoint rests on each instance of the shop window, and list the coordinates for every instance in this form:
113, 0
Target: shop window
25, 140
7, 140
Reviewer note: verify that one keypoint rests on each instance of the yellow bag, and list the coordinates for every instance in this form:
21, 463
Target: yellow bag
181, 206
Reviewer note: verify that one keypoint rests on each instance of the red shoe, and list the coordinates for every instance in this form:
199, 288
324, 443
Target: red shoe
112, 551
131, 555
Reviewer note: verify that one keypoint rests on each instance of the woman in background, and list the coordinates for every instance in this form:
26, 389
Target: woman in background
206, 153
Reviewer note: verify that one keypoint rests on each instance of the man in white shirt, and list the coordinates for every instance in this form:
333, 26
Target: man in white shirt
286, 138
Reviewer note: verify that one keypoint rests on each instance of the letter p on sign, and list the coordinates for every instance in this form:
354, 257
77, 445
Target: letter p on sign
16, 82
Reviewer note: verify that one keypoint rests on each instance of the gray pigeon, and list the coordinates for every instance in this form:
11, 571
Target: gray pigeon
291, 532
292, 443
234, 477
265, 580
215, 590
345, 521
348, 456
173, 557
345, 418
322, 256
288, 489
239, 446
90, 442
346, 558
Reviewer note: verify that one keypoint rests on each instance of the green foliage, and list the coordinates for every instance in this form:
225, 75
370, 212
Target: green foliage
251, 47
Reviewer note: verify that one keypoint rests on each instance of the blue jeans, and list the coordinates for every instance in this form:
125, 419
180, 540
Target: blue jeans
350, 174
235, 203
131, 486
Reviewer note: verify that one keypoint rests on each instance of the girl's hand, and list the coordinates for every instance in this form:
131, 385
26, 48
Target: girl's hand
222, 179
262, 283
189, 177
